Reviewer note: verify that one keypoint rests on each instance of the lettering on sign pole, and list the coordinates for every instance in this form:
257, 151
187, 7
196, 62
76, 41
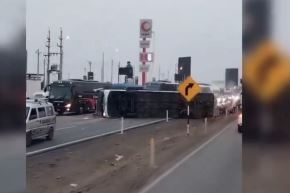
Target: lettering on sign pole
144, 43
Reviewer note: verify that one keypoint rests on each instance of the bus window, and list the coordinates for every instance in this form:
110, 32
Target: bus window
60, 92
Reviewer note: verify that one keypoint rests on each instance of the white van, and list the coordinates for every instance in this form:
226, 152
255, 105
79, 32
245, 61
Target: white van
40, 120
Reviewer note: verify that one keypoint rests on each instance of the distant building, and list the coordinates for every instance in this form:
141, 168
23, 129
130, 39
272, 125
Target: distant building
232, 78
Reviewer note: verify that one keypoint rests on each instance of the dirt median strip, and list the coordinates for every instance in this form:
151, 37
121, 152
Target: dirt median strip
117, 163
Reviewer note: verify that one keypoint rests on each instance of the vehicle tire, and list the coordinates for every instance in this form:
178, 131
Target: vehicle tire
239, 129
28, 139
60, 112
50, 134
80, 110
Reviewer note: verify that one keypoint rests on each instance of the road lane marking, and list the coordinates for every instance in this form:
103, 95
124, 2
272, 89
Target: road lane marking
64, 128
89, 121
90, 138
182, 161
78, 124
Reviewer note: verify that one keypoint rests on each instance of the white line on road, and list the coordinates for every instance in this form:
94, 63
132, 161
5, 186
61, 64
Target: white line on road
78, 124
178, 164
89, 138
64, 128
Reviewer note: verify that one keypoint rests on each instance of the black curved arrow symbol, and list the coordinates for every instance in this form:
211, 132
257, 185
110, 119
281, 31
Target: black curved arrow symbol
270, 63
190, 85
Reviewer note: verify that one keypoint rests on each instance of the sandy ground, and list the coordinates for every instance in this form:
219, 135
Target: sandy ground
93, 166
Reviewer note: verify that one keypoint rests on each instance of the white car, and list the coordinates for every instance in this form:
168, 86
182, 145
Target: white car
40, 120
240, 123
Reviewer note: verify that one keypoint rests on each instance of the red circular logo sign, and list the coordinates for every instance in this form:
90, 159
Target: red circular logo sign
146, 26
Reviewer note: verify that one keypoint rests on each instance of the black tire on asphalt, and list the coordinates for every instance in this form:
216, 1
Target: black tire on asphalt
60, 112
239, 129
28, 139
50, 134
80, 110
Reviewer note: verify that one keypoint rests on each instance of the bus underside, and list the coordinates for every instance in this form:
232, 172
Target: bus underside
144, 104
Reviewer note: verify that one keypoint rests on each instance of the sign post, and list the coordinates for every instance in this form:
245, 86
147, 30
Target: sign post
145, 32
189, 89
187, 130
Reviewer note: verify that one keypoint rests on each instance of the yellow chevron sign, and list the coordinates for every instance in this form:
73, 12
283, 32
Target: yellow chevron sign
267, 71
189, 89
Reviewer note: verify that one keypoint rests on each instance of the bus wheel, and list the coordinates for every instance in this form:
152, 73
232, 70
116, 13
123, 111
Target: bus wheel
50, 134
28, 139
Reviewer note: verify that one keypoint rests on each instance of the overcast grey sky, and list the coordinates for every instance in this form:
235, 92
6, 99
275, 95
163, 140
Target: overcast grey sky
207, 30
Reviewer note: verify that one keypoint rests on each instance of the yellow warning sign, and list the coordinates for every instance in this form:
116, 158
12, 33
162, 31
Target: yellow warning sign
267, 71
189, 88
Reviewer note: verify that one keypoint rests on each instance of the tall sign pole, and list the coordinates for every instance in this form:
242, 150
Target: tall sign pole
145, 32
144, 64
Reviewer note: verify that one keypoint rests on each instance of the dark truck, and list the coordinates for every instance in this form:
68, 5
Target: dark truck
75, 95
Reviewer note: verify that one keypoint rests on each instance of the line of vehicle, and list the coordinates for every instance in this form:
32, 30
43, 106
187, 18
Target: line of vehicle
182, 161
90, 138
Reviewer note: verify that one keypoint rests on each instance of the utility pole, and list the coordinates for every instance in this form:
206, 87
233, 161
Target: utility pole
112, 65
103, 68
85, 76
38, 53
60, 45
159, 73
44, 76
48, 59
90, 65
119, 65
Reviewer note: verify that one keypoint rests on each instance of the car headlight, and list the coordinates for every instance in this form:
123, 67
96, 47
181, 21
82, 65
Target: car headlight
68, 105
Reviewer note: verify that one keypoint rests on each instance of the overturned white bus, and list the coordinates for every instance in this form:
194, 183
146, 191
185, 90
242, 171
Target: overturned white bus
146, 103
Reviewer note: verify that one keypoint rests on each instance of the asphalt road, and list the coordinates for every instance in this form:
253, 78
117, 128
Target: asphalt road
71, 128
213, 167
